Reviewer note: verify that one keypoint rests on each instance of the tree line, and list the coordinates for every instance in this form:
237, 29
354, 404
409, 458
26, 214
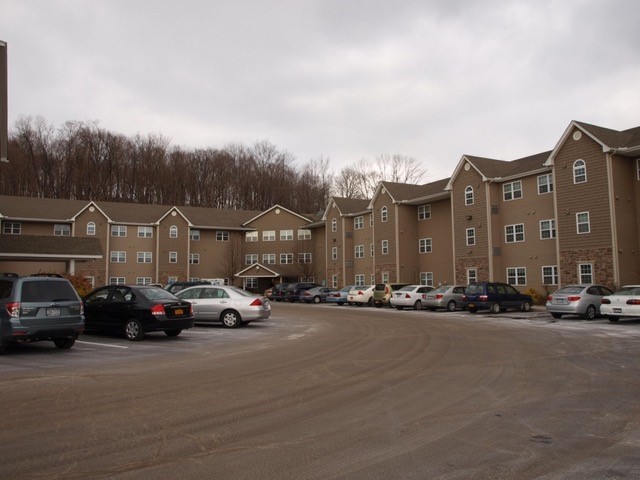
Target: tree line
82, 160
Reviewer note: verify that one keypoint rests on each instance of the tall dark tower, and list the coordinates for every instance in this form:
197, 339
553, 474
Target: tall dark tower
4, 117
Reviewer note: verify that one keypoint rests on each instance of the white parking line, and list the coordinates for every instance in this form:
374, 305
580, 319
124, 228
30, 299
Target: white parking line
101, 344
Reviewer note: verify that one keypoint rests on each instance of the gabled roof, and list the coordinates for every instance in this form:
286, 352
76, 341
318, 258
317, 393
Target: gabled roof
267, 272
410, 193
626, 142
218, 218
308, 220
347, 206
39, 209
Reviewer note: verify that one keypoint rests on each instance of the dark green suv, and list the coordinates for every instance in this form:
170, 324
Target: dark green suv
39, 308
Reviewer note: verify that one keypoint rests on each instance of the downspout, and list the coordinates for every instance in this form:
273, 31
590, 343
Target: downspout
487, 195
453, 240
555, 214
397, 231
614, 223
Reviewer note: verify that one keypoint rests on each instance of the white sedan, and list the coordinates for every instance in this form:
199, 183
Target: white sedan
361, 295
412, 296
624, 303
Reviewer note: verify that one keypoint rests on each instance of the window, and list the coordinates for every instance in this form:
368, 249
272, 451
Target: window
384, 214
334, 281
585, 272
359, 280
251, 258
222, 236
372, 249
145, 232
251, 283
304, 234
547, 229
358, 223
143, 280
472, 275
269, 236
117, 280
194, 234
118, 230
286, 235
92, 281
334, 225
173, 257
385, 247
194, 258
304, 258
371, 221
468, 195
426, 278
172, 279
545, 184
471, 236
579, 171
424, 212
373, 278
91, 228
385, 277
61, 230
514, 233
11, 228
118, 257
286, 258
334, 253
144, 257
359, 251
173, 231
424, 245
582, 222
512, 191
251, 237
550, 275
517, 276
269, 258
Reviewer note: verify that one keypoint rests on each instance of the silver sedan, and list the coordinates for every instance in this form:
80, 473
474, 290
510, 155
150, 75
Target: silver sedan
232, 306
445, 296
583, 300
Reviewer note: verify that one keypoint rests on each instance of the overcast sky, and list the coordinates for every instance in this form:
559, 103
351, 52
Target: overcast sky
339, 79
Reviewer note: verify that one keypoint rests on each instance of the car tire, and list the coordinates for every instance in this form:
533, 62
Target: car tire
417, 305
472, 310
526, 306
340, 304
230, 319
613, 319
316, 299
495, 307
370, 302
399, 307
174, 332
133, 330
556, 315
589, 313
64, 343
378, 305
451, 306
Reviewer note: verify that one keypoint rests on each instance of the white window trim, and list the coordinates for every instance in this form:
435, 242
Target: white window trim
552, 229
588, 223
469, 196
583, 167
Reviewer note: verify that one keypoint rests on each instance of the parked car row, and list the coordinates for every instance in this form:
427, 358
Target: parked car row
38, 308
587, 301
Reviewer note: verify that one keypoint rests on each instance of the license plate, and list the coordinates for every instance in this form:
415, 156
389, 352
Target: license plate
179, 311
471, 305
53, 312
617, 310
561, 301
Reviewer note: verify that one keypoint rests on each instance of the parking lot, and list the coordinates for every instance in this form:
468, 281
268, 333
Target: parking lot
322, 391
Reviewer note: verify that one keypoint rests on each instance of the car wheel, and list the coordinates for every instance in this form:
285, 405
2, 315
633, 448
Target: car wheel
359, 304
378, 305
399, 307
613, 319
64, 343
133, 330
231, 319
472, 310
340, 304
173, 332
590, 313
417, 305
370, 302
495, 307
526, 306
316, 299
556, 315
451, 306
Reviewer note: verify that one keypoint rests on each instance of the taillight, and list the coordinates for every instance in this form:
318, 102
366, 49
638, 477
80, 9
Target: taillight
14, 309
386, 290
573, 299
81, 308
157, 309
633, 301
256, 303
360, 292
549, 298
606, 301
483, 298
406, 295
439, 296
464, 298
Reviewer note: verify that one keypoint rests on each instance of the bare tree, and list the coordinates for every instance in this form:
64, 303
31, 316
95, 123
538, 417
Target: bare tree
232, 261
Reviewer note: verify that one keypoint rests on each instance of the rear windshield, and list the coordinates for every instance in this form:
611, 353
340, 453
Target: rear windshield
572, 289
630, 290
443, 289
407, 288
380, 287
474, 289
47, 291
157, 293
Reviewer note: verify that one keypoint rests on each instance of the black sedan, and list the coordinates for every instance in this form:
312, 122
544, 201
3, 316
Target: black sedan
135, 310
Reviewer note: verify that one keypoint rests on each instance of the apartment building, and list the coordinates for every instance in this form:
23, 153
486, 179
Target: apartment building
566, 215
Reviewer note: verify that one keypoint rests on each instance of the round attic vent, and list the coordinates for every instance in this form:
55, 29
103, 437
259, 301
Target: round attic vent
173, 214
277, 211
467, 166
92, 209
577, 135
